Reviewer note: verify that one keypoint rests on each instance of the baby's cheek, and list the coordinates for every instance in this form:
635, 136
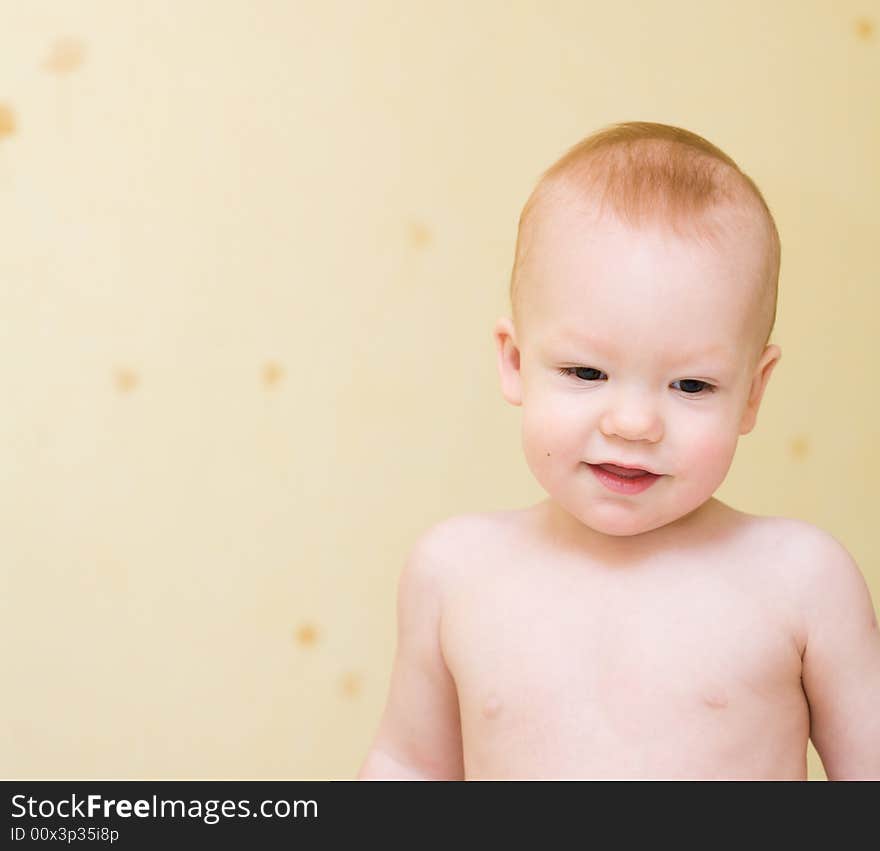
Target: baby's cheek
551, 427
548, 441
709, 453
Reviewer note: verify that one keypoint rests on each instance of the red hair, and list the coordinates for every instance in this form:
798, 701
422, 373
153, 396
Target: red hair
657, 174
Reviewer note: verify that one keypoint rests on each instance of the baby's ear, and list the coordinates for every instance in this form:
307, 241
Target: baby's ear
772, 355
508, 360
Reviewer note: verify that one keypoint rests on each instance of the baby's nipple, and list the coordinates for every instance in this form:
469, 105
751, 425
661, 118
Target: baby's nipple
491, 707
715, 698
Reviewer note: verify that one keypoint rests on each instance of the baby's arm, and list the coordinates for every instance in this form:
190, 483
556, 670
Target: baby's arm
841, 664
419, 736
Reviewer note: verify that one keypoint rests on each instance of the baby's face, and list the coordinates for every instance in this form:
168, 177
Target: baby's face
635, 348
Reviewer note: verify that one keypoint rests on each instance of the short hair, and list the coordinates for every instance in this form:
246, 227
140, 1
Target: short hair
643, 172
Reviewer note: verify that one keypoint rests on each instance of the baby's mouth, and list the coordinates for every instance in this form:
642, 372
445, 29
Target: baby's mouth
623, 472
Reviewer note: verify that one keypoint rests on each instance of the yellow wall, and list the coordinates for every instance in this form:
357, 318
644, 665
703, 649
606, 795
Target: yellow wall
251, 257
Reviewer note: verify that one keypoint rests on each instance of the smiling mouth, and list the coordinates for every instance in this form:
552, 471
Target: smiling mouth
631, 484
624, 472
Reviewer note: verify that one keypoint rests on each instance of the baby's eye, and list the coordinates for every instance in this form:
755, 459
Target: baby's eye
693, 386
571, 370
705, 386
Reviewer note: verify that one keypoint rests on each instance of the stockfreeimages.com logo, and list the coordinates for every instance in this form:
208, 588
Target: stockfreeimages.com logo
95, 806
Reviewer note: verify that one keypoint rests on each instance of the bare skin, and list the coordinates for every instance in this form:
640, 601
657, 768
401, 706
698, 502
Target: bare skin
683, 664
657, 635
710, 648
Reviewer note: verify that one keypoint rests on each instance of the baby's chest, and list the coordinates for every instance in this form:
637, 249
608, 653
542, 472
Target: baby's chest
619, 661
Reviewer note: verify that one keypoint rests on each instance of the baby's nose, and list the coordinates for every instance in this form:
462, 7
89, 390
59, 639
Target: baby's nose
632, 418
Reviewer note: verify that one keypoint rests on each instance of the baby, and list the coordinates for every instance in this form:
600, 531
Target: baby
631, 625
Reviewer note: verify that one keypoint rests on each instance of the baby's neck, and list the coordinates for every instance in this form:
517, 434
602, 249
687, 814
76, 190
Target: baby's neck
561, 530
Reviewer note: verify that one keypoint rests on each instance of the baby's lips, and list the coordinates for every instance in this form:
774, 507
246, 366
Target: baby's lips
625, 472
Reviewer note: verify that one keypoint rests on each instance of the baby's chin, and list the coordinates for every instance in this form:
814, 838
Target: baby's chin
625, 528
620, 519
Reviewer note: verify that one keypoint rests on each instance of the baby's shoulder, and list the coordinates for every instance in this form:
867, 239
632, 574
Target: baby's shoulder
461, 534
460, 543
789, 565
807, 558
800, 543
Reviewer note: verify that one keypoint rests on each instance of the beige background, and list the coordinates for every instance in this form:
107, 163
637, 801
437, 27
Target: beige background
251, 257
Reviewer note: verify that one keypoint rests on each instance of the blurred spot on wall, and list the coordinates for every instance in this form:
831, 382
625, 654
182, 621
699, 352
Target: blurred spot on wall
65, 55
419, 234
865, 28
126, 380
272, 374
7, 121
351, 684
306, 634
800, 448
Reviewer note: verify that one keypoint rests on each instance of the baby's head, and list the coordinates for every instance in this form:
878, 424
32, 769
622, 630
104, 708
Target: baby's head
643, 296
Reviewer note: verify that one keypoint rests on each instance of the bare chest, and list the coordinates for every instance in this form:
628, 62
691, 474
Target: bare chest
688, 672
